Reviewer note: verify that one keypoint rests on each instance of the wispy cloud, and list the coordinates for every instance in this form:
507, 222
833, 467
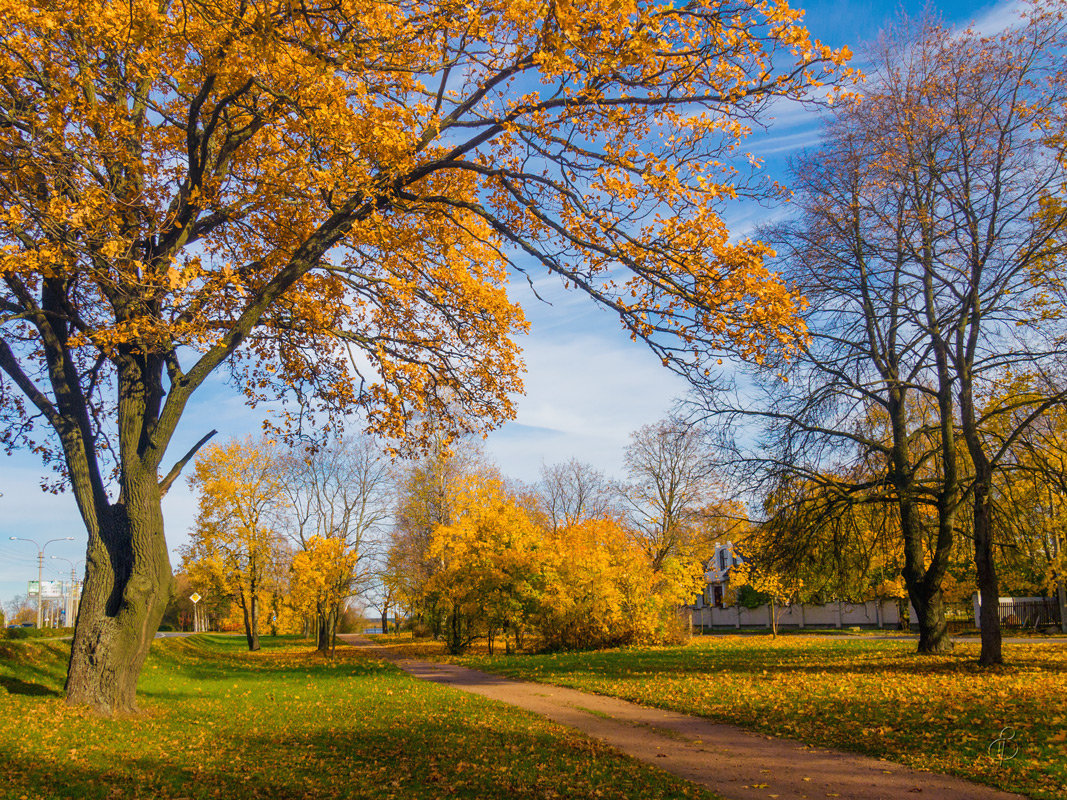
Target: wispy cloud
999, 17
584, 393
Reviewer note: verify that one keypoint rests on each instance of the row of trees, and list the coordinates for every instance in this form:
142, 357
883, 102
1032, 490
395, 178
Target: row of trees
287, 532
294, 534
923, 415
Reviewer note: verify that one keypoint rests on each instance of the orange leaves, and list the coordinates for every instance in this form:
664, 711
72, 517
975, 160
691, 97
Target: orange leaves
330, 194
500, 568
234, 544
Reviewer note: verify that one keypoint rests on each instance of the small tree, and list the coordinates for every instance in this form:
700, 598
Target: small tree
779, 590
322, 582
234, 542
491, 558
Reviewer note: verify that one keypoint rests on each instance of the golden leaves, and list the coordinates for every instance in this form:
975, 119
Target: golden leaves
338, 189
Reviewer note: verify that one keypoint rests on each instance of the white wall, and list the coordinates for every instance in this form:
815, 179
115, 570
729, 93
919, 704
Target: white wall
803, 615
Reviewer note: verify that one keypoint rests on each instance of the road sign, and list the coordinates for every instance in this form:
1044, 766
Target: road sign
49, 589
195, 597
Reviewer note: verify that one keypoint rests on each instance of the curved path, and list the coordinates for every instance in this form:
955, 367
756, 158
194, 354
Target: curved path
731, 761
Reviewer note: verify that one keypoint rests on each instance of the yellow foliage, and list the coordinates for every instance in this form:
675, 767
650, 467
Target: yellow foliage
321, 575
503, 569
201, 177
233, 546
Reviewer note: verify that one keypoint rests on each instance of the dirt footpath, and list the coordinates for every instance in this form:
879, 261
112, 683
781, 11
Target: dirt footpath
731, 761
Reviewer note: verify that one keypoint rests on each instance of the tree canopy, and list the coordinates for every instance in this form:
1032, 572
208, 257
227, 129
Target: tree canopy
324, 197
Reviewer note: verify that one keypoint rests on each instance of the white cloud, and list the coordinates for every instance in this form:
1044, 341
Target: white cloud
997, 18
587, 388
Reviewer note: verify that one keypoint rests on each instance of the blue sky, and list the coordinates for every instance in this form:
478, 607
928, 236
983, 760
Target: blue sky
587, 385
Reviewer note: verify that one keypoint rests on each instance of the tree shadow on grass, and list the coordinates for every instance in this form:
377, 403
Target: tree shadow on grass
452, 757
16, 686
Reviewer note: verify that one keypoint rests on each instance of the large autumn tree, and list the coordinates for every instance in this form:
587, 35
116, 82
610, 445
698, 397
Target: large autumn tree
323, 197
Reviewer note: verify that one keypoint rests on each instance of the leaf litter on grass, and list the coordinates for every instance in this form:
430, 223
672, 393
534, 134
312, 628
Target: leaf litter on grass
285, 723
939, 713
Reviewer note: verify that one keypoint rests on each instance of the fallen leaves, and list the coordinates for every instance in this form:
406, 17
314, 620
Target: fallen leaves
877, 697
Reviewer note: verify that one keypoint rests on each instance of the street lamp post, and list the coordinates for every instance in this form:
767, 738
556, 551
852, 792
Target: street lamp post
40, 566
72, 602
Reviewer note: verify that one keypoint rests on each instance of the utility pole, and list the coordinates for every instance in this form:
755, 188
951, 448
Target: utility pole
40, 568
74, 593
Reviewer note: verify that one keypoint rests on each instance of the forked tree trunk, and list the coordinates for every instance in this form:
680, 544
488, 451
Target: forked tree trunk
922, 577
933, 629
250, 608
127, 587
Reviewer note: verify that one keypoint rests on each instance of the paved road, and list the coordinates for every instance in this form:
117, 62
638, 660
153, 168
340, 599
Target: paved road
735, 763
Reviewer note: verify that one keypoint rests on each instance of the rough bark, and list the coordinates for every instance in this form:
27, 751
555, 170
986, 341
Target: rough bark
326, 630
127, 588
923, 580
984, 558
933, 629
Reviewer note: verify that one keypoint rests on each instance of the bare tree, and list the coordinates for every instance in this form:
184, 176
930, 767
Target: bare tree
672, 482
339, 491
572, 491
20, 610
920, 242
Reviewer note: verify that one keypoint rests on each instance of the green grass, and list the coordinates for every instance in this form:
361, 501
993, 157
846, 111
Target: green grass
218, 722
877, 697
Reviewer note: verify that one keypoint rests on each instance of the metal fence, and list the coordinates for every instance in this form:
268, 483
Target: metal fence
1029, 612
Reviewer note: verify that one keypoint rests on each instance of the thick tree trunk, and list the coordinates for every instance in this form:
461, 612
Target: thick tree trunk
923, 580
933, 629
322, 637
988, 585
924, 592
924, 584
127, 588
385, 619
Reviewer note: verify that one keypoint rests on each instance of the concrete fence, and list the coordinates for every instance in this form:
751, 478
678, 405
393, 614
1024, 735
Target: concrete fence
873, 613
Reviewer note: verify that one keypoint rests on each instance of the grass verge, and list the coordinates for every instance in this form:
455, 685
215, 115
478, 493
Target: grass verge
218, 722
939, 713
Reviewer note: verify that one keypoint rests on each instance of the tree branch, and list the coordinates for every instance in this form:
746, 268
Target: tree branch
175, 471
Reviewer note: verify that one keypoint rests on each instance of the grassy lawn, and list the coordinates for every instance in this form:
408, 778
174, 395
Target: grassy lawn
283, 724
877, 697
